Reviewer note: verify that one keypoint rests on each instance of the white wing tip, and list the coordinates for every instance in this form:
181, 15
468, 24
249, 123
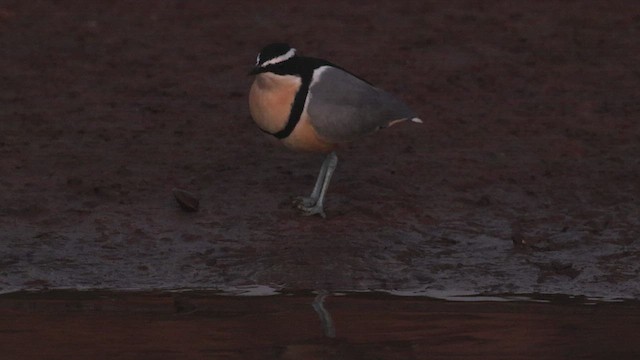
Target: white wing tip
416, 120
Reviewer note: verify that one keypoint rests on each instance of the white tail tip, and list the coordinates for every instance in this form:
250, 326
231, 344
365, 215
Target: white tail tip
416, 120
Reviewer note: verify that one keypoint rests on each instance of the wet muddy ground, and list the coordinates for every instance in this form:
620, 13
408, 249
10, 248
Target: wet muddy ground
524, 177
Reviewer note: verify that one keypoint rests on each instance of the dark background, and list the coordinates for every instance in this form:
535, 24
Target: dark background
523, 180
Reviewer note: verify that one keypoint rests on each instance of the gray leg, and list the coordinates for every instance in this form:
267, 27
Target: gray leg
315, 194
328, 167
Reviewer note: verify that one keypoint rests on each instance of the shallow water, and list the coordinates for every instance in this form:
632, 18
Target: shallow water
312, 325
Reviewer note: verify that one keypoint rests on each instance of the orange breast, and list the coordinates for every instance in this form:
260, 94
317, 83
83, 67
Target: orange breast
270, 101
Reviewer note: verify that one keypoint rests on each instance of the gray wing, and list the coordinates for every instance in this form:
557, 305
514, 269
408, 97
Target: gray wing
343, 107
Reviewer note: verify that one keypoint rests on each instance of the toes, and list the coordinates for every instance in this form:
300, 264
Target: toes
302, 201
312, 210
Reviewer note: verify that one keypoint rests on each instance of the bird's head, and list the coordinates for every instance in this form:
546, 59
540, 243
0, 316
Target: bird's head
272, 54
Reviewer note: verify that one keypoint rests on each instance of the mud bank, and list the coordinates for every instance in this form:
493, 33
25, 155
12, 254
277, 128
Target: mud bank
523, 179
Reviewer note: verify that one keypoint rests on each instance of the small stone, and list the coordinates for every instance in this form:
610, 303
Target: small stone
187, 201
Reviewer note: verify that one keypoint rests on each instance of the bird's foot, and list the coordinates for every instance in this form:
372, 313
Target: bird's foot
316, 209
309, 206
303, 201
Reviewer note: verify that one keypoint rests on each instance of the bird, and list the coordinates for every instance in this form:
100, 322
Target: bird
313, 105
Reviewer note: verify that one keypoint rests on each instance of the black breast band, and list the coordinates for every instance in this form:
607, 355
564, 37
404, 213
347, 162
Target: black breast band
296, 110
303, 67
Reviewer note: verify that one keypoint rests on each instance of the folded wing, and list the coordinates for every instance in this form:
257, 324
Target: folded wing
343, 107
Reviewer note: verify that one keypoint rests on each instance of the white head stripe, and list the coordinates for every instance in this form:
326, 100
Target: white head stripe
288, 55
